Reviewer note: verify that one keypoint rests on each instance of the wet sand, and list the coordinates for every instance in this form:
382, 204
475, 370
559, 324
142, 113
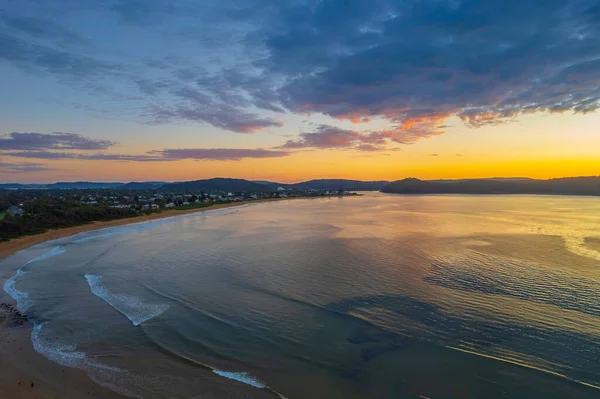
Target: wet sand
26, 374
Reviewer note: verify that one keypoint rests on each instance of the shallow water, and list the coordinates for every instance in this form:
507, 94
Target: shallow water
380, 296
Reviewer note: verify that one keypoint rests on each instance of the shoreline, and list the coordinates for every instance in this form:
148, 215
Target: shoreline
10, 247
25, 373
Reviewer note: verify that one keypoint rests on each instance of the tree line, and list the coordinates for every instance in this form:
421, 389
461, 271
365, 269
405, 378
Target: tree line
51, 213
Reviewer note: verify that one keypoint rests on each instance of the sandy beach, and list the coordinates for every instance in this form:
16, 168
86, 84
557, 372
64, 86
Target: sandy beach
26, 374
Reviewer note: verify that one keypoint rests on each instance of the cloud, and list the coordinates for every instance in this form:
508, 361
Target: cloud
54, 141
218, 115
166, 155
26, 167
85, 157
324, 137
41, 29
331, 137
402, 60
408, 64
219, 154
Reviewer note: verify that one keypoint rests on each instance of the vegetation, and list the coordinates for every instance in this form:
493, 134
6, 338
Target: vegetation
38, 209
51, 213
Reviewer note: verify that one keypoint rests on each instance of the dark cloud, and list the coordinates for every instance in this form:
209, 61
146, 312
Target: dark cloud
54, 141
201, 107
26, 167
428, 60
410, 64
71, 65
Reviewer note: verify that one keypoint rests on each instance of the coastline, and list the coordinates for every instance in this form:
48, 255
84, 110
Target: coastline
25, 373
12, 246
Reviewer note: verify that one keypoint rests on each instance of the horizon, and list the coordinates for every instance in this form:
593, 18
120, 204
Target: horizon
130, 91
297, 181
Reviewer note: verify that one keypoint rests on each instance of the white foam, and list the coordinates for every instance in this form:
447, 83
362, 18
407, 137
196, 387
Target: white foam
20, 297
241, 377
10, 285
63, 354
132, 307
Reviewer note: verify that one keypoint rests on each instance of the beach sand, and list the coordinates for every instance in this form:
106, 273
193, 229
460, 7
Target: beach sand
26, 374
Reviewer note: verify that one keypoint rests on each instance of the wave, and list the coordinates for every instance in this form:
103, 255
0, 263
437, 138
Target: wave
132, 307
246, 378
241, 377
20, 297
63, 354
53, 252
524, 365
10, 285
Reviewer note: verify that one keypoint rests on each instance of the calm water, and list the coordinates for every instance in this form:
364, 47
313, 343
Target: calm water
380, 296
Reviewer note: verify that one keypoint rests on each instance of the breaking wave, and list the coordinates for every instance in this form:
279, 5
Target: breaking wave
10, 285
132, 307
241, 377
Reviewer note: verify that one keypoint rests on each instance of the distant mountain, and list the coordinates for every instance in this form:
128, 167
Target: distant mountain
147, 185
216, 185
565, 186
12, 186
209, 185
79, 185
267, 183
336, 184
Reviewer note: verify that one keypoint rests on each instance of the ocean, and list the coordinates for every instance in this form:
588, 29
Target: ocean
377, 296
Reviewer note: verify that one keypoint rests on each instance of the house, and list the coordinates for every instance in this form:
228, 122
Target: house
15, 210
170, 205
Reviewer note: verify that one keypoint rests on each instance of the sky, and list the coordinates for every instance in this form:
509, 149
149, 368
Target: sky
133, 90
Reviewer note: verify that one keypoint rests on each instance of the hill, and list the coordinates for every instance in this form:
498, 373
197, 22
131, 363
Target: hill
336, 184
147, 185
216, 185
562, 186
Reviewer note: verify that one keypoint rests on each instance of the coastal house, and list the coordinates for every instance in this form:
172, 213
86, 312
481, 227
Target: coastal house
15, 210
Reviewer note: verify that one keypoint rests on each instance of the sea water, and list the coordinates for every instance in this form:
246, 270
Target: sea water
379, 296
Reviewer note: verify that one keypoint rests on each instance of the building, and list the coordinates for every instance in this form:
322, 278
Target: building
15, 210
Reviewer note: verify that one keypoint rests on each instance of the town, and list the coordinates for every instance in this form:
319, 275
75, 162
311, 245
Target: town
35, 210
